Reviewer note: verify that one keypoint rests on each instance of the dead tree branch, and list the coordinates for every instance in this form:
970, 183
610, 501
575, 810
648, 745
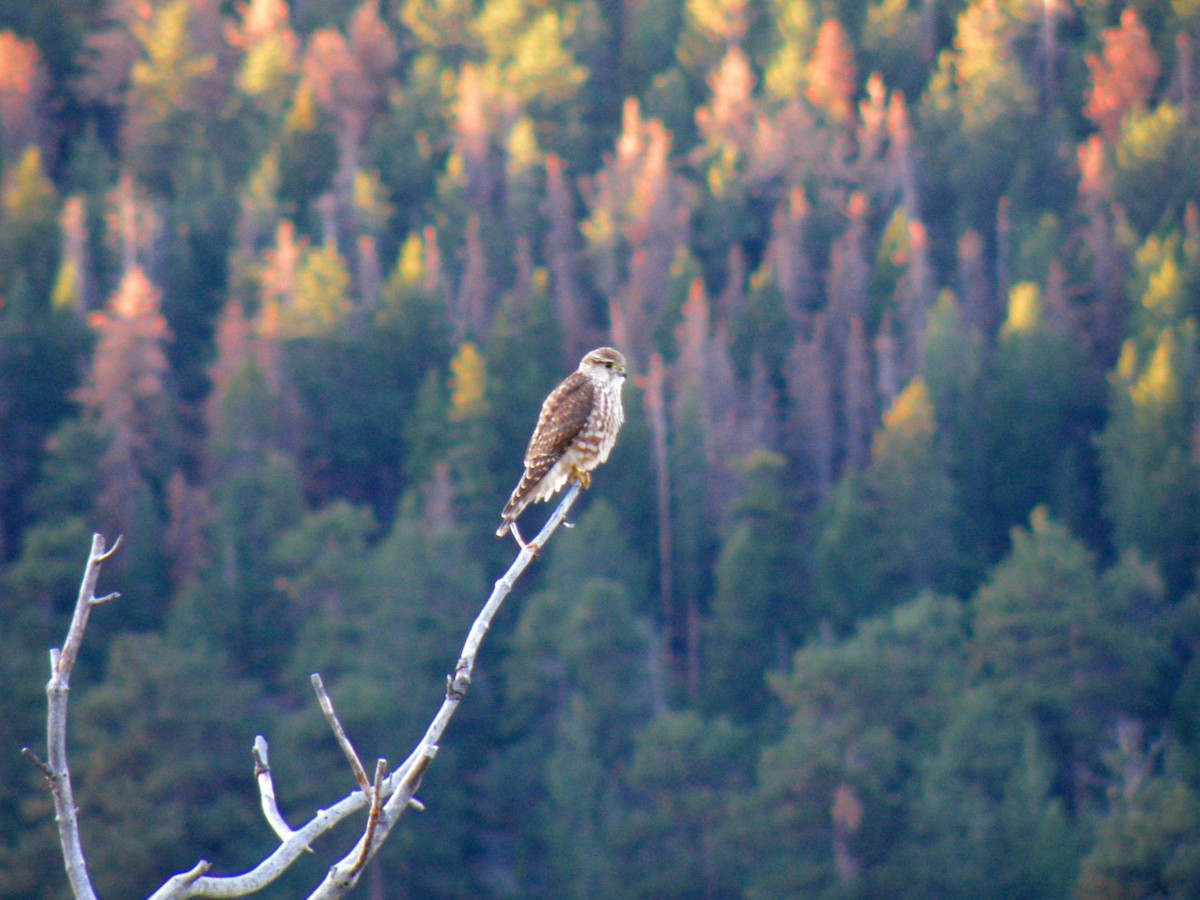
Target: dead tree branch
386, 798
407, 779
266, 789
58, 690
360, 774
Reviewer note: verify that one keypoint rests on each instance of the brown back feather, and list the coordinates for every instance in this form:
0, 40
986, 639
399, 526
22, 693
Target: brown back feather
563, 416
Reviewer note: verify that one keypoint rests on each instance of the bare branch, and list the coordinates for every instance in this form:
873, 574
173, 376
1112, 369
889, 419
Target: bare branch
56, 769
38, 763
266, 790
405, 781
106, 555
399, 788
373, 816
197, 870
360, 774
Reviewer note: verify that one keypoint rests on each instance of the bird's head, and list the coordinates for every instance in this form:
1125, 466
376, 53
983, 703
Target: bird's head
604, 363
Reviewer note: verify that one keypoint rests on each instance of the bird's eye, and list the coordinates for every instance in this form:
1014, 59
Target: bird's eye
608, 365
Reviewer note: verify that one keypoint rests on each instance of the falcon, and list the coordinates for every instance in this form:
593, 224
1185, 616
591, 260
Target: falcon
575, 433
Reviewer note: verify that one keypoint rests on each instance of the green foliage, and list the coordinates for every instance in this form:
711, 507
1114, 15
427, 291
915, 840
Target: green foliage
29, 239
683, 772
987, 823
755, 618
308, 154
165, 133
1149, 845
311, 483
890, 532
235, 605
1153, 497
1152, 179
1067, 647
162, 764
1037, 449
861, 715
977, 112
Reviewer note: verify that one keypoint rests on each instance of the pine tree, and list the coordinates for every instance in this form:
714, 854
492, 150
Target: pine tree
1037, 412
1145, 844
861, 715
809, 427
151, 810
125, 396
1069, 648
789, 255
1152, 497
847, 280
832, 78
683, 769
891, 532
1104, 257
270, 62
561, 251
349, 77
29, 242
986, 816
1123, 75
975, 288
978, 111
444, 27
167, 106
23, 98
635, 213
757, 614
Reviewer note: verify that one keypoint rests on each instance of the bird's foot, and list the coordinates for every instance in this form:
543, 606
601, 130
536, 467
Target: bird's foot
512, 526
584, 479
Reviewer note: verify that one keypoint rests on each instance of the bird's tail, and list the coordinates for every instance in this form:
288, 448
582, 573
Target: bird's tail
516, 504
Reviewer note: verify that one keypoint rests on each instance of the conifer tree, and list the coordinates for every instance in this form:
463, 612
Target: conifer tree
1069, 648
832, 79
152, 809
859, 714
757, 614
683, 769
167, 107
29, 242
1152, 496
561, 251
125, 396
789, 255
23, 98
1123, 75
270, 55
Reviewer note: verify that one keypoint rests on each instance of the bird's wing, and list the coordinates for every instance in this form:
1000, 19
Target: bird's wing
563, 416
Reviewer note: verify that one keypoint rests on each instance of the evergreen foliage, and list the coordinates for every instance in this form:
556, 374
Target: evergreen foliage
890, 585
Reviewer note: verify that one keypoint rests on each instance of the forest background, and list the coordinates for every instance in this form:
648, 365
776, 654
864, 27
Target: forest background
889, 588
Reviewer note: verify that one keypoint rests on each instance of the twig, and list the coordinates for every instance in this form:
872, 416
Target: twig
407, 779
58, 689
266, 790
360, 774
373, 816
400, 787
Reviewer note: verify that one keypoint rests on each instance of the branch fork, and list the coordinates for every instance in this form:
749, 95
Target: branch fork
385, 797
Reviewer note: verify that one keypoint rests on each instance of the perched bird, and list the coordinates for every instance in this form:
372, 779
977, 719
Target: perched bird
575, 433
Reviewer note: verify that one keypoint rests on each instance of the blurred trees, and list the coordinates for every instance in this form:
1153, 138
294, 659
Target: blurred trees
890, 585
